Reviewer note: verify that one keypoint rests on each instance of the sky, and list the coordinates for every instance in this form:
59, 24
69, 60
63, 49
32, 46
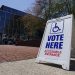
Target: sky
21, 5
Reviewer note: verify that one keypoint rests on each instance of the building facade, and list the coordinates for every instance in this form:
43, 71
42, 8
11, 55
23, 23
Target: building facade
10, 25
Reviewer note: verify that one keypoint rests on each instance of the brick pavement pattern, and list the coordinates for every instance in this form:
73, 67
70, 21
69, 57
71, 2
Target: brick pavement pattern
15, 53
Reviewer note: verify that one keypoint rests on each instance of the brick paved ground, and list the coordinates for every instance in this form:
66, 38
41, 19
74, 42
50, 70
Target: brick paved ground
15, 53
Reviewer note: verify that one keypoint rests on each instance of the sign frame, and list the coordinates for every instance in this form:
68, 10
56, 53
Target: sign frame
65, 63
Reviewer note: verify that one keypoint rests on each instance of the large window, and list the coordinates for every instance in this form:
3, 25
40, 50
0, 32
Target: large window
2, 21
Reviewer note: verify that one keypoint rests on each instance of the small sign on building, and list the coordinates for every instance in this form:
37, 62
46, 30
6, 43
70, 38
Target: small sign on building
57, 42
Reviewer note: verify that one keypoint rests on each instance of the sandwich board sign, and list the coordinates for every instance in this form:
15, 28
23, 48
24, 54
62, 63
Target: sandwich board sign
56, 42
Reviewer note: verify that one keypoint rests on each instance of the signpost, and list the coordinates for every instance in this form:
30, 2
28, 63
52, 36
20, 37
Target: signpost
56, 42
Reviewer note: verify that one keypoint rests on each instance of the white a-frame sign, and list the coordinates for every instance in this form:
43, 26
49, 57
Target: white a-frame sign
56, 42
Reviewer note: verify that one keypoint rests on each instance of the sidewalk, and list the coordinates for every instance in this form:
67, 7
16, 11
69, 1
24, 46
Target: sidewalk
29, 67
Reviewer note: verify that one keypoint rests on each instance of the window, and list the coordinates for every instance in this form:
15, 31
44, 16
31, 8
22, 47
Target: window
0, 17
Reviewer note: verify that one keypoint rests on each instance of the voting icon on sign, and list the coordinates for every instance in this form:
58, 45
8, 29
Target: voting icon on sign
57, 27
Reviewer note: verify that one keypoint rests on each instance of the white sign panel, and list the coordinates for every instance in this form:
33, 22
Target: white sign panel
56, 43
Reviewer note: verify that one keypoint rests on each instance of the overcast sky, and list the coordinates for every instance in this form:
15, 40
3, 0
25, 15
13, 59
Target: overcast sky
18, 4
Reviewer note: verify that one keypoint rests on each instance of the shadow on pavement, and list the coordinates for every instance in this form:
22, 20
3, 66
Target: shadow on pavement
53, 65
72, 65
